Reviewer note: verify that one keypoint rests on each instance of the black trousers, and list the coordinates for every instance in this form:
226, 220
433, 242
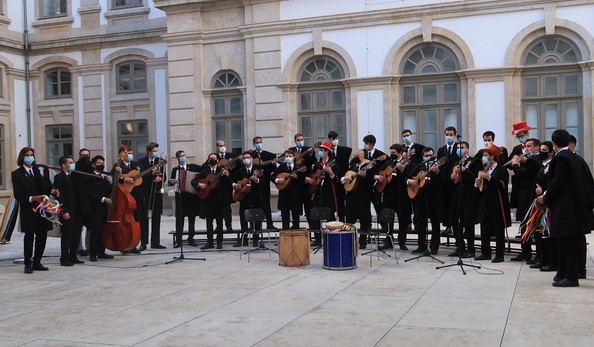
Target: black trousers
244, 223
210, 229
179, 221
359, 209
291, 213
69, 240
420, 220
265, 203
487, 231
37, 237
570, 253
156, 208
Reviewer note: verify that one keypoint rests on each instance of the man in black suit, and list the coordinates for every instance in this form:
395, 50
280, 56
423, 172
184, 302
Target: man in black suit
152, 183
251, 199
570, 198
70, 238
342, 155
30, 182
493, 214
186, 204
100, 200
449, 151
521, 131
222, 153
409, 144
489, 137
288, 198
260, 155
306, 156
81, 182
372, 153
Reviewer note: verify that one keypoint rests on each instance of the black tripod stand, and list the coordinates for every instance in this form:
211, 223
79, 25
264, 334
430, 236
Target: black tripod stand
181, 256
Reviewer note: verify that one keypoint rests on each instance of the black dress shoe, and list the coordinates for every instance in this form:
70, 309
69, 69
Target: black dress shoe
582, 276
403, 248
518, 258
76, 261
207, 246
434, 252
558, 278
419, 250
192, 243
536, 266
467, 255
83, 252
219, 246
566, 282
482, 257
93, 258
455, 253
39, 267
237, 244
548, 268
66, 263
497, 260
140, 249
105, 256
533, 261
158, 246
28, 269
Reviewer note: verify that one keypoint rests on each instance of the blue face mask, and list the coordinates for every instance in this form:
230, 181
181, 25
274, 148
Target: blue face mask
486, 143
29, 160
130, 157
72, 167
258, 146
320, 154
289, 160
300, 144
426, 158
247, 161
406, 139
449, 140
522, 139
182, 159
460, 152
486, 160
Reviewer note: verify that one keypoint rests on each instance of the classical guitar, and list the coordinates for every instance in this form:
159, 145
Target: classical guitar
318, 177
137, 176
355, 176
387, 172
422, 178
243, 187
288, 177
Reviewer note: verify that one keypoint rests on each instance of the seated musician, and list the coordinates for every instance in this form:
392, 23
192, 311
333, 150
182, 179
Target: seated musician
288, 198
215, 179
358, 200
252, 198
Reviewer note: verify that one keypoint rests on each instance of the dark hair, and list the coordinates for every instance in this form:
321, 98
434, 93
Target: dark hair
83, 149
97, 157
427, 149
489, 133
297, 135
178, 153
369, 139
150, 146
397, 147
560, 137
451, 128
255, 138
465, 143
406, 131
332, 134
290, 151
549, 145
64, 158
572, 139
213, 153
21, 156
535, 142
247, 152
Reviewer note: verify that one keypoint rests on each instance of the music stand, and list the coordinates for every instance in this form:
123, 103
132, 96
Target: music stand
319, 214
181, 257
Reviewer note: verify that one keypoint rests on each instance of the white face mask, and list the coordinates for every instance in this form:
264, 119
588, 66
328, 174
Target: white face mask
335, 142
222, 149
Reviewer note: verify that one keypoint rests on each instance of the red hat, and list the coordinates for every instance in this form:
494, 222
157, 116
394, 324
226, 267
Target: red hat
326, 145
493, 150
520, 126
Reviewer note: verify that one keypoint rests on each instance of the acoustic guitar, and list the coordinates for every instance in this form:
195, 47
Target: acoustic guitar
243, 187
318, 177
137, 176
355, 176
422, 178
387, 172
288, 177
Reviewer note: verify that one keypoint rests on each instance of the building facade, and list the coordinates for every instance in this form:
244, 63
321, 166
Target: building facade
188, 72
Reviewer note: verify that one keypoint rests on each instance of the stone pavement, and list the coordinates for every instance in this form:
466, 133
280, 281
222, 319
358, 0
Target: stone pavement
224, 301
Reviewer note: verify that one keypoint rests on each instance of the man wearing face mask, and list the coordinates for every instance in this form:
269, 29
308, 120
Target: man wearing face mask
100, 199
251, 199
152, 183
449, 151
409, 144
546, 249
342, 155
525, 170
260, 155
288, 199
309, 158
521, 131
371, 153
30, 182
85, 212
222, 153
489, 137
70, 238
186, 204
123, 167
493, 213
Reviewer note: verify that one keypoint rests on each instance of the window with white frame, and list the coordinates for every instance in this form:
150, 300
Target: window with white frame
54, 8
57, 83
430, 93
131, 77
227, 105
134, 133
552, 88
126, 3
58, 142
322, 103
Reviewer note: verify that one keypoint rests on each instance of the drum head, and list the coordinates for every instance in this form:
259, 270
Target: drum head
334, 225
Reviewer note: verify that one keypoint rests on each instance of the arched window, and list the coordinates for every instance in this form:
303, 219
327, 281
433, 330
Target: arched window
430, 93
131, 77
58, 83
322, 104
227, 105
552, 87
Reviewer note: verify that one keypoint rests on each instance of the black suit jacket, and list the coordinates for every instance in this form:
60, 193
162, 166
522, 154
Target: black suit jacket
148, 185
68, 194
189, 203
252, 199
494, 203
418, 151
25, 186
343, 156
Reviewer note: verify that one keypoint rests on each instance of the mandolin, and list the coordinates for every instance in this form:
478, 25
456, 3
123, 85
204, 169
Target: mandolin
288, 178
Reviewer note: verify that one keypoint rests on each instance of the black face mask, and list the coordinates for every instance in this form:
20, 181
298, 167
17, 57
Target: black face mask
543, 155
393, 156
355, 160
213, 162
84, 159
99, 168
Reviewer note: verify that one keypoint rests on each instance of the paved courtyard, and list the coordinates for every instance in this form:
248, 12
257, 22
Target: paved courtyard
224, 301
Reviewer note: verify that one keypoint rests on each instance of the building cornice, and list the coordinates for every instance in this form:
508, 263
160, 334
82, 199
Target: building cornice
94, 69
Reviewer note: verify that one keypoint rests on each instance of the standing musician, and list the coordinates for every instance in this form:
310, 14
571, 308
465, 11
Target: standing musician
546, 248
99, 199
85, 213
407, 138
489, 137
306, 156
70, 238
126, 164
370, 153
217, 201
465, 200
152, 185
449, 151
251, 199
429, 203
342, 155
358, 200
521, 131
30, 182
327, 195
223, 154
288, 199
186, 204
493, 214
394, 195
525, 170
260, 155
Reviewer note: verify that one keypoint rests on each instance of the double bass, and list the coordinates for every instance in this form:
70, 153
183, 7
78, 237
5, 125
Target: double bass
121, 232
